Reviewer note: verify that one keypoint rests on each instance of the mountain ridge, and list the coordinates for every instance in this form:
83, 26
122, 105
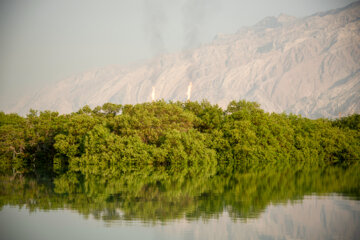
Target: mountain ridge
308, 66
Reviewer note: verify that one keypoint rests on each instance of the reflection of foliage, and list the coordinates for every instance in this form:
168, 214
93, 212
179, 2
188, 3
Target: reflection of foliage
155, 194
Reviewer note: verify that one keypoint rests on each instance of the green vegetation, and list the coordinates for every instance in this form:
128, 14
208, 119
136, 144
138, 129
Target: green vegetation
161, 161
178, 137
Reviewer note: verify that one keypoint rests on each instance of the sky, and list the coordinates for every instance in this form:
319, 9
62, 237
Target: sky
45, 41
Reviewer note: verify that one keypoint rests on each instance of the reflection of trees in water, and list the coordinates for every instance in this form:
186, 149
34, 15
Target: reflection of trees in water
156, 195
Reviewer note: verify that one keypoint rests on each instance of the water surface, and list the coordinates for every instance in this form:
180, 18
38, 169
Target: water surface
289, 204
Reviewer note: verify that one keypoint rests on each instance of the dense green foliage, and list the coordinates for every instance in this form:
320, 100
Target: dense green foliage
178, 136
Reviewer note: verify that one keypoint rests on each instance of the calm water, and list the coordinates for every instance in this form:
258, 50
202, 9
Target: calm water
291, 204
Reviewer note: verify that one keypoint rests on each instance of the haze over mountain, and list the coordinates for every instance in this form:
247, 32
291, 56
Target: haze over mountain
308, 66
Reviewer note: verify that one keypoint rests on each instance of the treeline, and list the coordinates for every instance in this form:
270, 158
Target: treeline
111, 140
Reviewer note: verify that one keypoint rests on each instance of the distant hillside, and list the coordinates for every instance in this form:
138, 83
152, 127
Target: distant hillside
308, 66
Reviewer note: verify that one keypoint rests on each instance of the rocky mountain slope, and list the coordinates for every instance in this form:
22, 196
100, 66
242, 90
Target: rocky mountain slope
308, 66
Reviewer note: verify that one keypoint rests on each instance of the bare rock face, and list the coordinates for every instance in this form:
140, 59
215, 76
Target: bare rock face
308, 66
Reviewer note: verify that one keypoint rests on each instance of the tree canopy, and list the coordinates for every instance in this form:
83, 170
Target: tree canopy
180, 137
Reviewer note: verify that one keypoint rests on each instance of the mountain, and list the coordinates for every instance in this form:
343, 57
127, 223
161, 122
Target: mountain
308, 66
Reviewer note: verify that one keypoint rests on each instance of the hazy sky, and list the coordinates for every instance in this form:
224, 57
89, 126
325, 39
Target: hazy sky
43, 41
